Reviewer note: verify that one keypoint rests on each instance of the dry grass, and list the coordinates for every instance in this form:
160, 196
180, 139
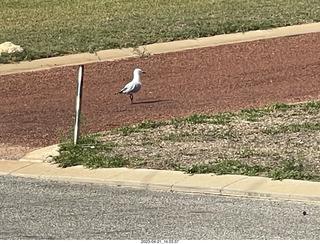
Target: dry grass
270, 137
278, 141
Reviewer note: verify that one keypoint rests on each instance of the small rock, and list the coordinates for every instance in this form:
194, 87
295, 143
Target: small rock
304, 213
9, 47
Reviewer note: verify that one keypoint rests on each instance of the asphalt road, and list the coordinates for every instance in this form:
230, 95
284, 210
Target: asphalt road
37, 209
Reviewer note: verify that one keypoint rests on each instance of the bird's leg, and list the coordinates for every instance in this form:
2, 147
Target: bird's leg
131, 98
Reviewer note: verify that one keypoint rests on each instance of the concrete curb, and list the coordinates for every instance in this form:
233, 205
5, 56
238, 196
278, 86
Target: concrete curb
157, 48
33, 165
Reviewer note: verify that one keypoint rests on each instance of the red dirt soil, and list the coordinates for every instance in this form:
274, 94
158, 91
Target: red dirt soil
37, 107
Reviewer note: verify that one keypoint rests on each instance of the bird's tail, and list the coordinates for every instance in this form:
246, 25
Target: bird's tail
121, 91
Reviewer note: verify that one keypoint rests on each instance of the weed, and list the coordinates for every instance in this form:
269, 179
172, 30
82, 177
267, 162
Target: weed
88, 152
197, 119
278, 107
217, 119
176, 137
151, 124
288, 170
223, 134
226, 166
251, 114
221, 118
312, 107
126, 130
176, 122
294, 127
291, 169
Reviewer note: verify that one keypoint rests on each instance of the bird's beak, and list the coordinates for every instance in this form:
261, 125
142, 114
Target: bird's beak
143, 72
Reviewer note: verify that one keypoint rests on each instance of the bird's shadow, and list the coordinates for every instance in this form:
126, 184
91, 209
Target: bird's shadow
151, 101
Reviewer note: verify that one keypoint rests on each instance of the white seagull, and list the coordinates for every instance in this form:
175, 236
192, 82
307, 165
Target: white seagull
134, 85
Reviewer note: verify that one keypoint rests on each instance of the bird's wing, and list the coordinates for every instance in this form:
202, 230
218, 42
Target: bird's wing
131, 87
125, 88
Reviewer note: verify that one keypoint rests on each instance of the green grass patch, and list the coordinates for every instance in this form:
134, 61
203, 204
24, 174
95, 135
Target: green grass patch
55, 28
225, 166
291, 169
90, 153
282, 107
176, 137
294, 127
254, 114
251, 114
218, 119
312, 107
288, 169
